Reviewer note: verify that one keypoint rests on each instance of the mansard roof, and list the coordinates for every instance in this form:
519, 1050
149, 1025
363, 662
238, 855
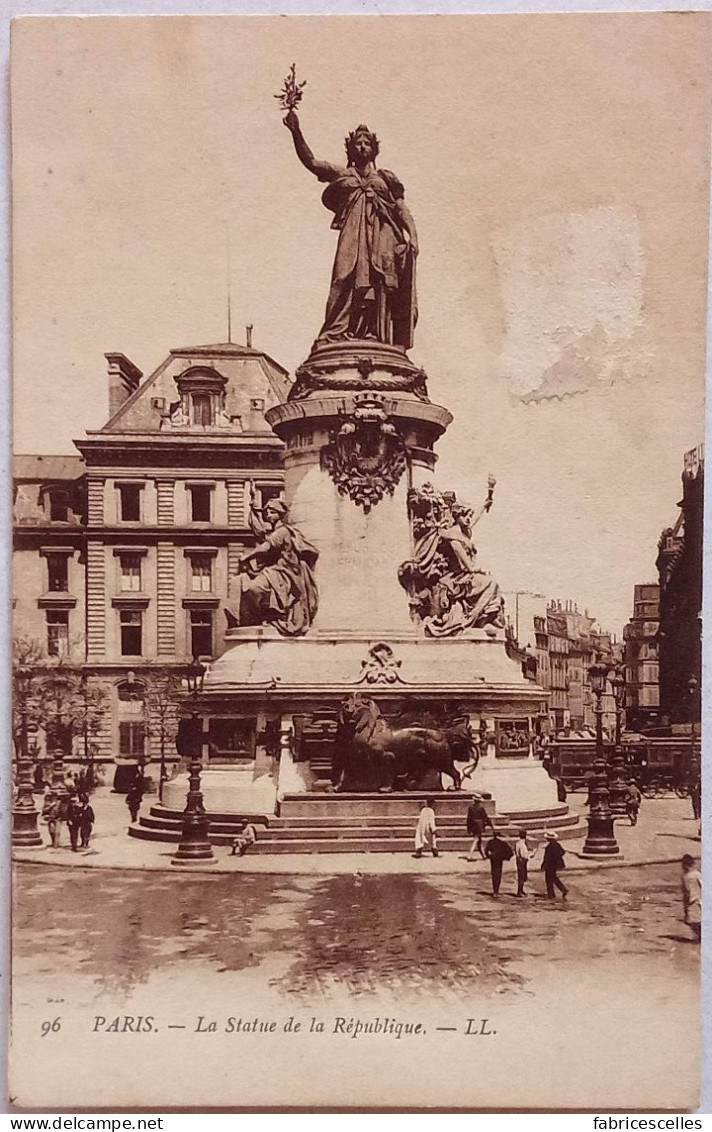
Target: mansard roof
252, 378
47, 468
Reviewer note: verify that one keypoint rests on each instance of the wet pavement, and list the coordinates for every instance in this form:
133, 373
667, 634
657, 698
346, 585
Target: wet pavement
608, 983
359, 934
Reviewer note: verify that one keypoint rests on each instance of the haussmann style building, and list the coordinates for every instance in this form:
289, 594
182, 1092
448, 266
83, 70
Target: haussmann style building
124, 553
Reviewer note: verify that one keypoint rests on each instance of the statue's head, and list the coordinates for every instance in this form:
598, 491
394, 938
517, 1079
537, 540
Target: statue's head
361, 146
275, 511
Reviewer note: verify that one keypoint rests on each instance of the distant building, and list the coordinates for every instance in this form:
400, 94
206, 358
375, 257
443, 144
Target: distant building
679, 564
565, 642
641, 659
124, 554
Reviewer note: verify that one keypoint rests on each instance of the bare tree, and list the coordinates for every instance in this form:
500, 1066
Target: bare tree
62, 701
164, 696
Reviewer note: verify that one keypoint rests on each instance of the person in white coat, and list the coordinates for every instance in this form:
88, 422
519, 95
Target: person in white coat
425, 831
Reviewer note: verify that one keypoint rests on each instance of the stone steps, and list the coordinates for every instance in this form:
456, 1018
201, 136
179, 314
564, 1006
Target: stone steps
345, 841
372, 830
369, 844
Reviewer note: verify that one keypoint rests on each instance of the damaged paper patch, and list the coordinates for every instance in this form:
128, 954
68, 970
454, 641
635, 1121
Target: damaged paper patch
572, 291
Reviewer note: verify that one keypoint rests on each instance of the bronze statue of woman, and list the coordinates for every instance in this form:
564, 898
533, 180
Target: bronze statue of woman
372, 293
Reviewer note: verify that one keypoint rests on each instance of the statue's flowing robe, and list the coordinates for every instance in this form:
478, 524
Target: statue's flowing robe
373, 280
284, 592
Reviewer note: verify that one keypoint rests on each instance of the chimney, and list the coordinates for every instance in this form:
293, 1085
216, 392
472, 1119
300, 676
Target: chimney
248, 336
124, 378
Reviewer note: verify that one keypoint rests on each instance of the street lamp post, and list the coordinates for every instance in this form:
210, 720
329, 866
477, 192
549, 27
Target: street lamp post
24, 813
600, 840
194, 844
617, 681
617, 786
693, 685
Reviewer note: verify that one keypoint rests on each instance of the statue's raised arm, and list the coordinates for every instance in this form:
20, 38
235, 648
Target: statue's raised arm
321, 169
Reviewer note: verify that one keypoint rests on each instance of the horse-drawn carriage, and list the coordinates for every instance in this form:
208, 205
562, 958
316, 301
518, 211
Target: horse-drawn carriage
659, 765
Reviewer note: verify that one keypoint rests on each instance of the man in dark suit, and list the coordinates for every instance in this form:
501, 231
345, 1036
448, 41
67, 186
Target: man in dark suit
477, 820
498, 851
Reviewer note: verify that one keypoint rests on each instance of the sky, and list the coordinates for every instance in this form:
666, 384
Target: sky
557, 170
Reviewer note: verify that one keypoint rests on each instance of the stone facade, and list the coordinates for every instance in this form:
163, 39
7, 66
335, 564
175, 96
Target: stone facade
641, 659
564, 642
679, 564
123, 554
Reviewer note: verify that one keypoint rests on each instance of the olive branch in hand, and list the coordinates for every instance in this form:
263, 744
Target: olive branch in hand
292, 92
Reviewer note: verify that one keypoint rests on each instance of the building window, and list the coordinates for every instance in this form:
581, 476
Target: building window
267, 493
132, 740
130, 622
130, 502
130, 572
201, 567
200, 503
58, 507
57, 573
57, 632
201, 632
202, 409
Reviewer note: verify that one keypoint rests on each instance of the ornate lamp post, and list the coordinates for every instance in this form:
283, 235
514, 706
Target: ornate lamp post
194, 843
617, 785
600, 840
616, 772
693, 686
617, 681
24, 813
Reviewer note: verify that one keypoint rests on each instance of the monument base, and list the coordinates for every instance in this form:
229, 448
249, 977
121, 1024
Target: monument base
312, 822
226, 790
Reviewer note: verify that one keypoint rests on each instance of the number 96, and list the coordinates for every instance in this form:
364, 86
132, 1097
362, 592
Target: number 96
51, 1027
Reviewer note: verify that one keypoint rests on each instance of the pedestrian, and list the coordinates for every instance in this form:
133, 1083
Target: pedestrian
52, 813
74, 811
134, 798
498, 851
425, 831
633, 799
696, 798
86, 821
522, 856
552, 863
245, 839
477, 819
692, 896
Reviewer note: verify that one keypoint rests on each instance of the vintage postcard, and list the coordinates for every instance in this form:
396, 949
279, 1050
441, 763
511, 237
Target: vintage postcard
359, 369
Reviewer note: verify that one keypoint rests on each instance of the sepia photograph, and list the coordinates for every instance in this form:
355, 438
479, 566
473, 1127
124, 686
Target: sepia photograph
358, 474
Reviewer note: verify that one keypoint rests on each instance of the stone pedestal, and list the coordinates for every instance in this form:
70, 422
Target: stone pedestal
356, 440
226, 790
359, 432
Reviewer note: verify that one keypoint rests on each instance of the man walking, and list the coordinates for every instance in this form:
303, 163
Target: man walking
477, 819
425, 831
498, 851
692, 896
53, 813
633, 799
134, 798
522, 856
86, 821
74, 817
552, 864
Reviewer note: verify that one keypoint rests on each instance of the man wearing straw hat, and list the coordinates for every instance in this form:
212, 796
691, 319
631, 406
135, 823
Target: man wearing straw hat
552, 863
